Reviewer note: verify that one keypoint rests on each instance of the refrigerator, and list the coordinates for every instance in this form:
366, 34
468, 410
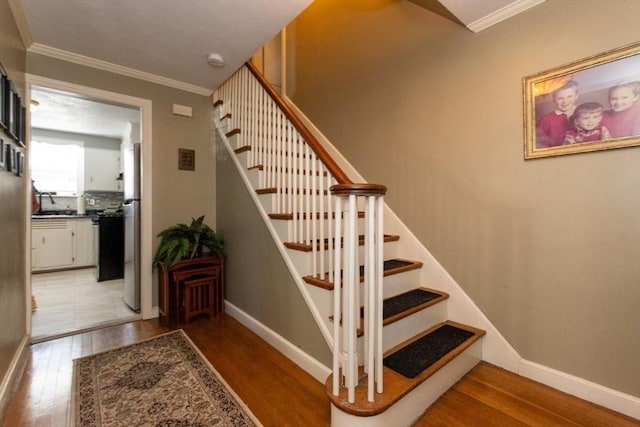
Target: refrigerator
131, 210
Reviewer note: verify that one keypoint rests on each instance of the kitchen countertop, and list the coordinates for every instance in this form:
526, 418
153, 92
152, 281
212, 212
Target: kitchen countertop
37, 217
62, 216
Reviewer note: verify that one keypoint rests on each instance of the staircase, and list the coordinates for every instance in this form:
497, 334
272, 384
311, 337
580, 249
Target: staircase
394, 355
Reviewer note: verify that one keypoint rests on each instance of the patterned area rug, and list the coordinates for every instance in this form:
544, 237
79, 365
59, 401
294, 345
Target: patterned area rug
162, 381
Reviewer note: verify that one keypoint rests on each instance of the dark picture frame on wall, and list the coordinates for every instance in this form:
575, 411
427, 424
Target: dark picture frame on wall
16, 107
589, 105
19, 163
7, 156
2, 155
21, 125
11, 115
4, 84
10, 158
186, 159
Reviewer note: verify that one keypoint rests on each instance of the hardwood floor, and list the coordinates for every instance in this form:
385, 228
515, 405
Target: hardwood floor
281, 394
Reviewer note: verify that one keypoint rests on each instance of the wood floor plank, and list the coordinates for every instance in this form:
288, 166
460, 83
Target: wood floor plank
565, 405
455, 408
525, 401
281, 394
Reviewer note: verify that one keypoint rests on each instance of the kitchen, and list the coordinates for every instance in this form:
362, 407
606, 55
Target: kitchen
85, 232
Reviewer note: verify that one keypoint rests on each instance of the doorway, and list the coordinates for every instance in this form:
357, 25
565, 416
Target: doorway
68, 291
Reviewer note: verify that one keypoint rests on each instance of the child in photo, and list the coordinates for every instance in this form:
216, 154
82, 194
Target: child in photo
623, 119
586, 124
552, 127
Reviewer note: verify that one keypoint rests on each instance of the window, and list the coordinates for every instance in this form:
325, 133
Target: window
58, 166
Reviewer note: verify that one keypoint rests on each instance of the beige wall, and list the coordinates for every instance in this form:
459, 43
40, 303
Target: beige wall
257, 279
178, 195
13, 214
547, 248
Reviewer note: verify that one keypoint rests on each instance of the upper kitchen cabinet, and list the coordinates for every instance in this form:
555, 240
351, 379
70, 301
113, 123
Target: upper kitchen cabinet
101, 169
70, 164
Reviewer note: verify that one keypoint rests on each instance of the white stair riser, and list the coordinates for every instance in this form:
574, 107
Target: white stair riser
285, 179
404, 329
406, 411
300, 199
398, 283
323, 301
304, 265
328, 227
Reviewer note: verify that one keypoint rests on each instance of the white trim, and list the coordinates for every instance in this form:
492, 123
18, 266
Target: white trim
146, 233
584, 389
502, 14
314, 368
13, 373
114, 68
21, 22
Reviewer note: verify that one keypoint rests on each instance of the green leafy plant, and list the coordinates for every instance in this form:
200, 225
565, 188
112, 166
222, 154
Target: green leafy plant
185, 242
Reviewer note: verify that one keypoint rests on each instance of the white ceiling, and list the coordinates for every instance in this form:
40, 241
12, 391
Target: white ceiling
167, 38
168, 41
66, 112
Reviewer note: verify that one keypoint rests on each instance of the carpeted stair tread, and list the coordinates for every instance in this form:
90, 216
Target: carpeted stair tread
403, 302
396, 385
393, 306
422, 353
392, 266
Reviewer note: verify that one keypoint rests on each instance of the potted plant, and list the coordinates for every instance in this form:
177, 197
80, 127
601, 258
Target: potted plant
183, 241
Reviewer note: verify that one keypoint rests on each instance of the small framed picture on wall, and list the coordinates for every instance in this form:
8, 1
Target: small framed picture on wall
14, 126
186, 159
11, 115
1, 153
9, 153
4, 84
19, 163
21, 125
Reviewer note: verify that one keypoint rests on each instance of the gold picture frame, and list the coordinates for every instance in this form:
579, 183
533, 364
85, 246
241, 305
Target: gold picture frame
588, 105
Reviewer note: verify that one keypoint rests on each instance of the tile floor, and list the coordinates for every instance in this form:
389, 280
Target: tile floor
72, 300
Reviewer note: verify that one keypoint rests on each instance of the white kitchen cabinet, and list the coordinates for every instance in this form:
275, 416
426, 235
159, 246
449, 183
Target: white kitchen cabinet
83, 238
52, 245
59, 243
101, 168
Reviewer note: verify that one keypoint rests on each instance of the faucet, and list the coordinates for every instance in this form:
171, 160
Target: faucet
53, 202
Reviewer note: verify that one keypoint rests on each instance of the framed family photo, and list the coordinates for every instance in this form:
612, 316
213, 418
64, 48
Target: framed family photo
588, 105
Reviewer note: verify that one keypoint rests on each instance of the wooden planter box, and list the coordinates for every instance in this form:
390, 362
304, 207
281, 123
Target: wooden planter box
191, 287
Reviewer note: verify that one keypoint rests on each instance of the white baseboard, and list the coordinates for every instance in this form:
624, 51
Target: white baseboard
13, 373
314, 368
584, 389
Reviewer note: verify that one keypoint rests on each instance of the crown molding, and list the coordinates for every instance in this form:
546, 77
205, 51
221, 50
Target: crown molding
114, 68
21, 22
502, 14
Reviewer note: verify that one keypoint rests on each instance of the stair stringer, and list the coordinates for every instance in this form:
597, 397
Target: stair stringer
495, 348
259, 203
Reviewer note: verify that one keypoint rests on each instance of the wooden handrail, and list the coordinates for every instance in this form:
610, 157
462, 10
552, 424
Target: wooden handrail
322, 154
345, 186
358, 189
